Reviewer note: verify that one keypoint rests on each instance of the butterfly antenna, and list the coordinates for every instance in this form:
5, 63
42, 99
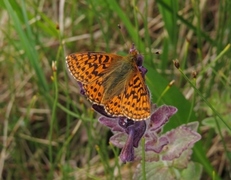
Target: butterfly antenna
122, 34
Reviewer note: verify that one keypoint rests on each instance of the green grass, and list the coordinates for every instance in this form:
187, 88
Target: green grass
49, 131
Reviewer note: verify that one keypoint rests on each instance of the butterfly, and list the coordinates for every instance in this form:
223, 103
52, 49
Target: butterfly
115, 82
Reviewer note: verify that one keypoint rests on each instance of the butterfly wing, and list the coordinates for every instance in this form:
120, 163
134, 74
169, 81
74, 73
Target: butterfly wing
90, 69
134, 102
113, 106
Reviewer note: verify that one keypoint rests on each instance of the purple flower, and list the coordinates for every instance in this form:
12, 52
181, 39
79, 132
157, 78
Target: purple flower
133, 130
128, 133
82, 91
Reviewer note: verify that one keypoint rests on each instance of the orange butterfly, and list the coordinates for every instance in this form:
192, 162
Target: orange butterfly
114, 82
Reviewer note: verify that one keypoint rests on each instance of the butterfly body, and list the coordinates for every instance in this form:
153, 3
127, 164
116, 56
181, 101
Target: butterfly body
113, 81
116, 78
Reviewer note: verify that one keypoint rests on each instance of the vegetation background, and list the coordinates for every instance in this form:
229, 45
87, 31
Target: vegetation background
49, 131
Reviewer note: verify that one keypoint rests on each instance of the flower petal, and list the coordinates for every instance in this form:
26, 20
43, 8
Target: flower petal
127, 153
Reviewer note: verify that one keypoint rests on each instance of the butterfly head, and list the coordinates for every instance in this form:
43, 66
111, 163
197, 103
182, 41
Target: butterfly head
136, 55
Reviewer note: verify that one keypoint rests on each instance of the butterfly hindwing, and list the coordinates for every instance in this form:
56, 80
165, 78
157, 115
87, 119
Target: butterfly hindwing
94, 91
113, 106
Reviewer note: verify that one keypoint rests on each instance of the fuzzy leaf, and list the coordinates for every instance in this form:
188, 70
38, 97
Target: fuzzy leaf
155, 170
180, 139
156, 146
161, 117
111, 123
119, 139
193, 170
150, 156
183, 160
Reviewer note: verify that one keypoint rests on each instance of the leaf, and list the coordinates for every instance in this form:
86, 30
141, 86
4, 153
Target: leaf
193, 170
180, 139
157, 170
211, 122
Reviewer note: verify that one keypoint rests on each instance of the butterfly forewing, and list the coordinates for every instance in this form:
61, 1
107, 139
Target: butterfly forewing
87, 67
